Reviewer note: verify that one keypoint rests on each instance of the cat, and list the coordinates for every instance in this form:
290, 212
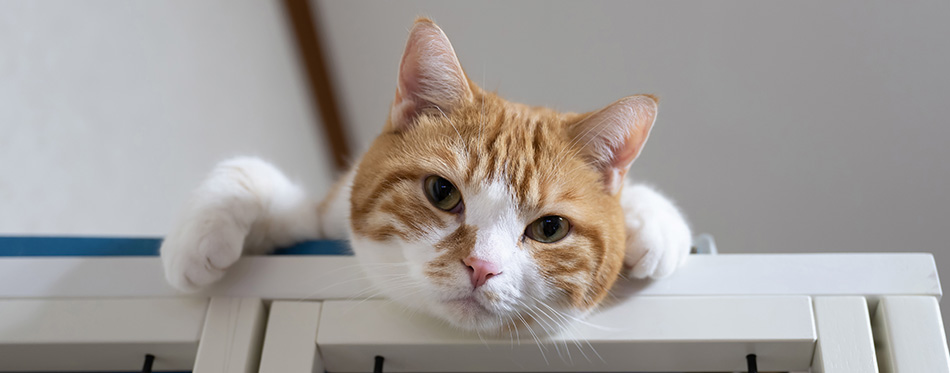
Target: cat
468, 207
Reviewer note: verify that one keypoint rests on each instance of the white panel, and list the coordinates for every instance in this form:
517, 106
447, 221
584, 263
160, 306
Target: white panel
788, 274
639, 334
290, 342
45, 335
909, 335
269, 277
845, 342
231, 338
326, 277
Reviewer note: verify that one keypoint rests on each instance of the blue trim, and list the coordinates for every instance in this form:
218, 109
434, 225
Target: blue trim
112, 246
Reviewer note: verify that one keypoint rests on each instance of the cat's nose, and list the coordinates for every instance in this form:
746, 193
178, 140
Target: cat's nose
480, 270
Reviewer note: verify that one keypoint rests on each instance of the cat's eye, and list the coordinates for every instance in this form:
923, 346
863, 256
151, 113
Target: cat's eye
548, 229
442, 194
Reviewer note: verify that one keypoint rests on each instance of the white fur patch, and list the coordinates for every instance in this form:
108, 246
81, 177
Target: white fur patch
493, 211
245, 204
658, 237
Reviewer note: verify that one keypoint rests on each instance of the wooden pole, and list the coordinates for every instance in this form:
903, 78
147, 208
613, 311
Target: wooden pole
310, 49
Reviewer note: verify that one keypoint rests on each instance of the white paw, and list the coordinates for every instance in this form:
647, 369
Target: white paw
204, 247
217, 222
658, 237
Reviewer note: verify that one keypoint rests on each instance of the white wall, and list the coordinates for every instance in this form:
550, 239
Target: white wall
112, 111
783, 126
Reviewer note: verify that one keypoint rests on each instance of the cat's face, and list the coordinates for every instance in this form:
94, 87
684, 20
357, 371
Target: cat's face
488, 213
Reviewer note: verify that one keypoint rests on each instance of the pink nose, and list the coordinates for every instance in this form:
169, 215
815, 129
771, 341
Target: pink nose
481, 270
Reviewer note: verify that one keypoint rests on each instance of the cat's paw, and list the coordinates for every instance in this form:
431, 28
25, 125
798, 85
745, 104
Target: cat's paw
217, 222
658, 237
200, 252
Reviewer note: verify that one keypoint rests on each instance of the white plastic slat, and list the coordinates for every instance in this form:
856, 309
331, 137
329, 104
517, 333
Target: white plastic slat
639, 334
99, 335
870, 275
909, 334
266, 277
339, 277
845, 341
290, 342
231, 337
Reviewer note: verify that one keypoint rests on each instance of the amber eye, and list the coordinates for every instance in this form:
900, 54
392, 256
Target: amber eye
442, 193
548, 229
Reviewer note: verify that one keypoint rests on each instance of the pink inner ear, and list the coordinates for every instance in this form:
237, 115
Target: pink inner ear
429, 75
632, 144
616, 134
410, 75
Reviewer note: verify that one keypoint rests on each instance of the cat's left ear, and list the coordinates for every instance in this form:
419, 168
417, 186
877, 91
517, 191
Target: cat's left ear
613, 136
430, 76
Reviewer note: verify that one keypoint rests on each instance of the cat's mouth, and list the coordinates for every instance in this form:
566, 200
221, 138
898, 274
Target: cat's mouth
470, 308
478, 314
471, 313
468, 303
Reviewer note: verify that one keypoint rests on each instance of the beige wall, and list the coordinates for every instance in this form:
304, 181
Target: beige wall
784, 126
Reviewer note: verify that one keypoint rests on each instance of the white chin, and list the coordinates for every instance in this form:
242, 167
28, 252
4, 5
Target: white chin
469, 314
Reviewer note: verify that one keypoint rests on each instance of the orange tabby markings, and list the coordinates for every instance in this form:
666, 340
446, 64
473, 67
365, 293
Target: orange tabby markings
472, 137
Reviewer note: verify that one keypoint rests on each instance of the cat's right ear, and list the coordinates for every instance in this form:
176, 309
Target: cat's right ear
430, 76
613, 136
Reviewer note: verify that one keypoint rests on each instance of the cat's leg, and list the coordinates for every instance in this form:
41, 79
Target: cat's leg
334, 210
245, 205
658, 236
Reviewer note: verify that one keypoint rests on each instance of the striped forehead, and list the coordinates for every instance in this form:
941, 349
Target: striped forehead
513, 153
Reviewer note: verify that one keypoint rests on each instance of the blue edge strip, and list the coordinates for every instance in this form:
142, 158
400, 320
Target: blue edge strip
113, 246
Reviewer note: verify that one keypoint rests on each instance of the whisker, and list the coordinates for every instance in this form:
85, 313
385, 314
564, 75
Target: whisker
517, 334
570, 328
577, 319
548, 328
560, 325
536, 339
338, 283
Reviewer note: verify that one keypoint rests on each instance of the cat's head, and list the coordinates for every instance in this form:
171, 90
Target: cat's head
485, 212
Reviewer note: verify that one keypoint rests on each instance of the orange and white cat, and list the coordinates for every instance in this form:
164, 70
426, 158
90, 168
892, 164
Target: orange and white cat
468, 207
